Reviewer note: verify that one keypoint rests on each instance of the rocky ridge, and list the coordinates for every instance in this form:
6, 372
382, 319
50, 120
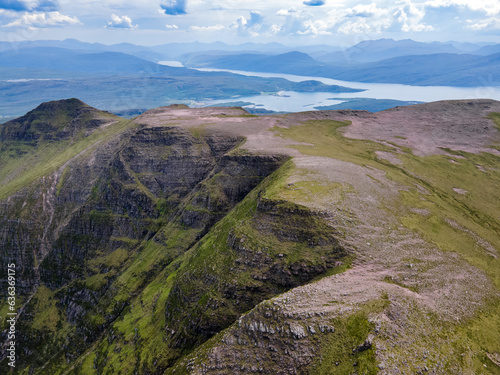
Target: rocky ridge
159, 247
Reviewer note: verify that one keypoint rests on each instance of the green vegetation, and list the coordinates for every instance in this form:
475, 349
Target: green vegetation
158, 274
61, 181
203, 275
347, 350
324, 138
305, 189
48, 315
480, 339
454, 192
112, 260
466, 223
127, 296
198, 131
238, 254
23, 164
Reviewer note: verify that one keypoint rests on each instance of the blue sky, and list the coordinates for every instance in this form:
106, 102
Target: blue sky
291, 22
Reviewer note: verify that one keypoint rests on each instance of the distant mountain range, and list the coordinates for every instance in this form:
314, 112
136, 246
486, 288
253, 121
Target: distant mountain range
127, 78
121, 82
429, 70
58, 60
298, 62
383, 60
488, 50
165, 51
365, 51
381, 49
447, 69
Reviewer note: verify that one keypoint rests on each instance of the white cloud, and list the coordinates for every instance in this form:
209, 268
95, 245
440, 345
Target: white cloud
315, 28
43, 20
118, 22
410, 17
371, 18
366, 11
231, 20
275, 29
404, 16
7, 13
490, 7
363, 19
249, 26
299, 22
485, 24
285, 12
206, 28
364, 27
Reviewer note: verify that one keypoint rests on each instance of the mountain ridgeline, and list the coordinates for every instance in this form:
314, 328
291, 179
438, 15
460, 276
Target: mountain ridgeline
129, 79
122, 83
172, 211
212, 241
445, 69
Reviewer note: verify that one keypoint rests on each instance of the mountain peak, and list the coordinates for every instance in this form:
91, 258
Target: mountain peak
63, 104
296, 56
54, 120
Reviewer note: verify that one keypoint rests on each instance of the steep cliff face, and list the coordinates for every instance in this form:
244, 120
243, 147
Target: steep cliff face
273, 247
147, 178
147, 202
35, 153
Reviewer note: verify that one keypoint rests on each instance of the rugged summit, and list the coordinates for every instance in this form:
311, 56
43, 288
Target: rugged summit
214, 241
54, 121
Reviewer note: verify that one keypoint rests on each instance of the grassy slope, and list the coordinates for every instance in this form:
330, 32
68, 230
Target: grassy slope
338, 354
23, 164
455, 221
438, 176
140, 274
140, 340
136, 348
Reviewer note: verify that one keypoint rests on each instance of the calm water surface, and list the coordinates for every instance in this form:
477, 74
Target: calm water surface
291, 101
